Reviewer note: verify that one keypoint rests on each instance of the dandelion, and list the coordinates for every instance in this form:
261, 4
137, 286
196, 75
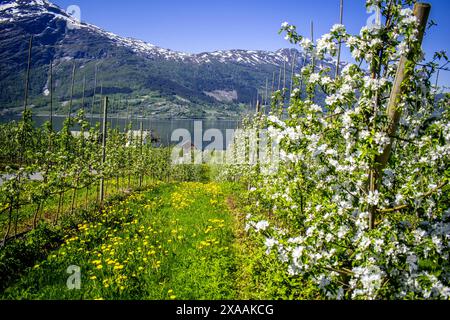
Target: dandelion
118, 267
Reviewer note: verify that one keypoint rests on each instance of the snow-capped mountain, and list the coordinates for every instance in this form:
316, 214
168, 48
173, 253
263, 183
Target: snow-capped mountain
12, 10
128, 66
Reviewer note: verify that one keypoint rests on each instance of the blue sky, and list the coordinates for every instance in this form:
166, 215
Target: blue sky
207, 25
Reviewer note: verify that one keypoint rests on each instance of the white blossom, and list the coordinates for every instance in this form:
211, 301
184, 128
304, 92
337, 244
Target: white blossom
270, 243
261, 226
373, 198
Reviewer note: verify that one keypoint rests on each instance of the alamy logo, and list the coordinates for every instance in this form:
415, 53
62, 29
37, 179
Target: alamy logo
374, 21
74, 12
74, 280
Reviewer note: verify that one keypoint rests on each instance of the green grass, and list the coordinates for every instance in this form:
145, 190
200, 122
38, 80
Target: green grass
85, 199
176, 241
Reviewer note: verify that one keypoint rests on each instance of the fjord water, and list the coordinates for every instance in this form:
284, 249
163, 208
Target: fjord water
161, 129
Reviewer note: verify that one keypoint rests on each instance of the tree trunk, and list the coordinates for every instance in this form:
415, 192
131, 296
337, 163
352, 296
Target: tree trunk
86, 198
8, 230
61, 199
74, 195
35, 219
16, 221
394, 112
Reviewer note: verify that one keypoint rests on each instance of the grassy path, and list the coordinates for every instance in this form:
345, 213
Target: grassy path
176, 241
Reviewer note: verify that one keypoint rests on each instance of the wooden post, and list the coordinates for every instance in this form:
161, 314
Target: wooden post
266, 92
86, 198
404, 72
128, 121
117, 114
74, 195
105, 124
294, 62
51, 95
71, 91
258, 112
301, 78
273, 84
84, 91
27, 80
313, 58
341, 20
95, 91
279, 78
422, 12
437, 80
284, 86
113, 108
141, 143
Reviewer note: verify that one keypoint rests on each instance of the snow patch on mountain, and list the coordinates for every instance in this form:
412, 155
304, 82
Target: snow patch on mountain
4, 7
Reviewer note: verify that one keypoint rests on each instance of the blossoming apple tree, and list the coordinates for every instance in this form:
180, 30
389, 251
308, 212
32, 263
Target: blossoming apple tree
359, 207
